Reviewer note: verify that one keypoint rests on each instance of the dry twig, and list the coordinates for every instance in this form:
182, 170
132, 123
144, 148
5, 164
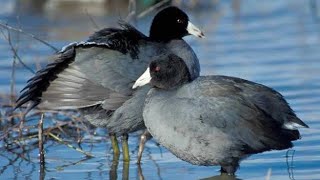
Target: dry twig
28, 34
152, 8
15, 53
40, 137
69, 145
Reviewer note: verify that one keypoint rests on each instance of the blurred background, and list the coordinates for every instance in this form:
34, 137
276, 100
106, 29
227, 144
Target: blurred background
275, 43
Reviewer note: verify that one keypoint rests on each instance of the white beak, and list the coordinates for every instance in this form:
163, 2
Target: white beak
192, 29
144, 79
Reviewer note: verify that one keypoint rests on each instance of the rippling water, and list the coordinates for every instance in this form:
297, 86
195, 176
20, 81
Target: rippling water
276, 43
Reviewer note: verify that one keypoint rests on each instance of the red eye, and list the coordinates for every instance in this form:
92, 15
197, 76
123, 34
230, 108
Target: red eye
157, 69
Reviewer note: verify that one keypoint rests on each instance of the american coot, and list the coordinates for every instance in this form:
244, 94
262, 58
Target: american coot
214, 120
96, 76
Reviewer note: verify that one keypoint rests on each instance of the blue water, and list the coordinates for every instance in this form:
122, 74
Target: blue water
276, 43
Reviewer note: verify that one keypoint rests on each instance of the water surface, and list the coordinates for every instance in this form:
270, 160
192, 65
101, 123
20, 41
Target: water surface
276, 43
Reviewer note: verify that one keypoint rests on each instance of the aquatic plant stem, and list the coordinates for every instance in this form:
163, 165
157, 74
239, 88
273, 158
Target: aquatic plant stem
69, 145
41, 149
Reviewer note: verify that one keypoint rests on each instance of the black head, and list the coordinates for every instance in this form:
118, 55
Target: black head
172, 23
169, 72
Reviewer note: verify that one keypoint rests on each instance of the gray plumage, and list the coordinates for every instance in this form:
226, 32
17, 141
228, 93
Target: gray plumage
96, 76
127, 115
215, 120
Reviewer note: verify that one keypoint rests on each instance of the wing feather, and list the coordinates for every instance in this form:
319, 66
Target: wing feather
89, 73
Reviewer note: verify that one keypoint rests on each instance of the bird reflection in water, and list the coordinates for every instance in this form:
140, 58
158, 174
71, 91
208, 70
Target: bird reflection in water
113, 173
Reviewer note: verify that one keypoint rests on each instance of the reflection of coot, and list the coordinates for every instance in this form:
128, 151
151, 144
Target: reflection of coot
214, 120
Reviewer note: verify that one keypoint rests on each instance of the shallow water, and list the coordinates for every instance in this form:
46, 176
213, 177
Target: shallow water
276, 43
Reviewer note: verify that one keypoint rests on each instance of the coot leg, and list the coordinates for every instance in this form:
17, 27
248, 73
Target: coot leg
143, 138
125, 148
115, 146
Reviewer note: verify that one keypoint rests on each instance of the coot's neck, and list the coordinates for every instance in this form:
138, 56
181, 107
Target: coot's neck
171, 84
160, 34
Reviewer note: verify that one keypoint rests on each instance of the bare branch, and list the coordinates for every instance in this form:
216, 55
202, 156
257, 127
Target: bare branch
40, 137
69, 145
92, 20
28, 34
152, 8
132, 9
15, 53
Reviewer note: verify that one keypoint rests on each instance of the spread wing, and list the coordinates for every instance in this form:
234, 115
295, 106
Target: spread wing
99, 71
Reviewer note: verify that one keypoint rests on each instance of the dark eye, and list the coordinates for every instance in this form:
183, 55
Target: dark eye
179, 21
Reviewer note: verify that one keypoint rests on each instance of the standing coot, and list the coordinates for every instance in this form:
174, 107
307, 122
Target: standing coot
214, 120
96, 76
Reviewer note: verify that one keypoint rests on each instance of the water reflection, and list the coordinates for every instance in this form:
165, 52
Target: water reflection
221, 177
289, 160
15, 156
125, 174
114, 170
113, 174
